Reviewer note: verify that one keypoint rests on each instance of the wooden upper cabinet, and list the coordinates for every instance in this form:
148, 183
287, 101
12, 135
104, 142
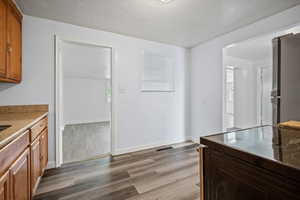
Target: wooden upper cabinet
20, 177
10, 42
3, 9
5, 187
13, 45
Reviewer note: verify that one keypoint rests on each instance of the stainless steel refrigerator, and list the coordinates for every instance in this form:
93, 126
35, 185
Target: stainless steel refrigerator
285, 94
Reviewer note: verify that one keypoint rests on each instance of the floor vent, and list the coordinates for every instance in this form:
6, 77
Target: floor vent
164, 148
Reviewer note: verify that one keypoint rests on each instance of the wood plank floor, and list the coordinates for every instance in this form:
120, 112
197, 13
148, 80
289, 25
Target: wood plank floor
145, 175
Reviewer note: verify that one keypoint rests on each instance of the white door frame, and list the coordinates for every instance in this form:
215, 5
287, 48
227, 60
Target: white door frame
260, 88
58, 96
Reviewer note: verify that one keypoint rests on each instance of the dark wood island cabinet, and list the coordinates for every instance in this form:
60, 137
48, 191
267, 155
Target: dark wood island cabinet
261, 163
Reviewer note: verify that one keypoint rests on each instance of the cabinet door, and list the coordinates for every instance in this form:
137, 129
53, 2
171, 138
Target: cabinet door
231, 180
14, 45
44, 149
4, 187
35, 164
20, 177
229, 187
3, 49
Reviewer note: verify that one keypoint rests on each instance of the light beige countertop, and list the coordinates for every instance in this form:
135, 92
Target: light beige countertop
20, 118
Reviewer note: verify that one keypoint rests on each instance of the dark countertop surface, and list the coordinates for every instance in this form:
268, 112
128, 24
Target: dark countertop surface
281, 145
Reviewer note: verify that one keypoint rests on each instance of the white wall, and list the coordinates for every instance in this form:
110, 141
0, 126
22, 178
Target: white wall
143, 119
206, 70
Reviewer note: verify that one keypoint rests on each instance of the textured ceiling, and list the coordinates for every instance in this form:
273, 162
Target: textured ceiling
180, 22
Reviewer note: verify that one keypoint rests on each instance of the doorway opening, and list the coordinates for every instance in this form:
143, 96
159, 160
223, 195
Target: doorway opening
252, 61
83, 101
229, 97
252, 80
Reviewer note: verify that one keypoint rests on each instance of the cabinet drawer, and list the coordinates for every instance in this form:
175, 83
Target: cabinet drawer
11, 152
38, 128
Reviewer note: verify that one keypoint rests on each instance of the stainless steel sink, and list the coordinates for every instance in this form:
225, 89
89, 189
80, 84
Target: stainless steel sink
3, 127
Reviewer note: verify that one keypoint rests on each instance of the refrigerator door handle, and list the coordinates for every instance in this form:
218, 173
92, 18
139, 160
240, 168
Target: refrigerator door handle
274, 93
275, 99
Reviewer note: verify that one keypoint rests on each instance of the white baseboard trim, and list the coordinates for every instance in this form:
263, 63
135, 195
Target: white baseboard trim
51, 164
144, 147
76, 122
195, 140
189, 138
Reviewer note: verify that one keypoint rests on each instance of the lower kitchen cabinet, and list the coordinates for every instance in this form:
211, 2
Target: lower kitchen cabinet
5, 187
39, 158
231, 180
35, 164
22, 163
228, 178
44, 150
20, 177
231, 169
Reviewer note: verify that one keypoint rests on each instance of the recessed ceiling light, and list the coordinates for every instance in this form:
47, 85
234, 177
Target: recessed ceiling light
165, 1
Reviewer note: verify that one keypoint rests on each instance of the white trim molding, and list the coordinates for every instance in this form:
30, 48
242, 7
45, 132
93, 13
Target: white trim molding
148, 146
59, 126
51, 165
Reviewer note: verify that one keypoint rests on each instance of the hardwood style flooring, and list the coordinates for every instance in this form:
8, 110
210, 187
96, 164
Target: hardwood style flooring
170, 174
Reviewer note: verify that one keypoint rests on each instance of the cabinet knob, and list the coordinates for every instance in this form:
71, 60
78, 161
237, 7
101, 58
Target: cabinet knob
9, 49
